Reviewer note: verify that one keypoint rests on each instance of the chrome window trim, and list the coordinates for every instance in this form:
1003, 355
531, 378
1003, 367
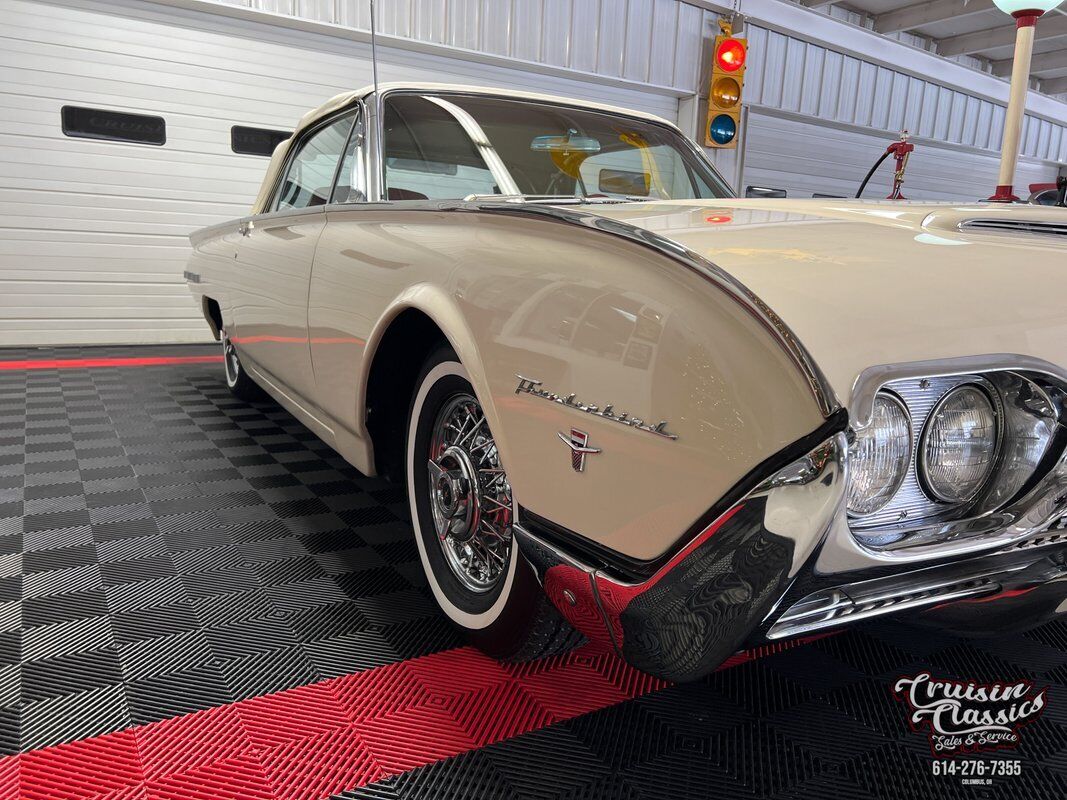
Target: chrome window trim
358, 108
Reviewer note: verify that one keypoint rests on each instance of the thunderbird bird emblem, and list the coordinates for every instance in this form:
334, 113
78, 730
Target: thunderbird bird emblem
578, 442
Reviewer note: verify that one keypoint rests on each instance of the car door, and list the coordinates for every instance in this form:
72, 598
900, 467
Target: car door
431, 151
275, 260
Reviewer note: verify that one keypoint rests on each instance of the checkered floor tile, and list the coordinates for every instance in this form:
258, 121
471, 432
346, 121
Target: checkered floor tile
166, 548
167, 551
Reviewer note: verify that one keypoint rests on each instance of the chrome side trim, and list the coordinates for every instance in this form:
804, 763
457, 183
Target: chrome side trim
833, 607
821, 389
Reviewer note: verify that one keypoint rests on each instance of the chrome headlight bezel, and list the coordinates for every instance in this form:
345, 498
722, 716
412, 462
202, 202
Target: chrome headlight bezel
1031, 436
926, 481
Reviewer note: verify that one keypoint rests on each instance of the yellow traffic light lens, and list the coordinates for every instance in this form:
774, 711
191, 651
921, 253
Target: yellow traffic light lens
726, 93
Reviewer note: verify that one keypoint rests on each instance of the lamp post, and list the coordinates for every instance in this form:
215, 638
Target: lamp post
1026, 13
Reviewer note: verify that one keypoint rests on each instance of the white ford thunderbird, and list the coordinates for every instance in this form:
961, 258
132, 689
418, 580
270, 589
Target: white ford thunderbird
630, 407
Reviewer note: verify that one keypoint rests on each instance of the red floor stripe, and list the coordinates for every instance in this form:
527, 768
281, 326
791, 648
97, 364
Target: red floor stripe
314, 741
84, 363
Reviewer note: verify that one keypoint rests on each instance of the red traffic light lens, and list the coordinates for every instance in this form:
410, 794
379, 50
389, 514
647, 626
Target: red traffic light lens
731, 55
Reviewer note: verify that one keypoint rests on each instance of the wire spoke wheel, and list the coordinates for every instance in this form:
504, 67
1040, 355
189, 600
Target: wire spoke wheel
470, 497
230, 360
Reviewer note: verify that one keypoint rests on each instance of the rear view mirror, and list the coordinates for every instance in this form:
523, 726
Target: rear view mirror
763, 191
571, 143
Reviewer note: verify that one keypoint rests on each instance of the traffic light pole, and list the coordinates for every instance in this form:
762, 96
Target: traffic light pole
742, 152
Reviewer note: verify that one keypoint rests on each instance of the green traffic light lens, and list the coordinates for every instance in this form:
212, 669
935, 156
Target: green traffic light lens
722, 129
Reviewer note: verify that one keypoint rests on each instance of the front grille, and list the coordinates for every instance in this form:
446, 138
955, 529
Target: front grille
1014, 226
829, 609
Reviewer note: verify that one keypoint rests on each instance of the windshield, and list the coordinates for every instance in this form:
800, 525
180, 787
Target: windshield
446, 147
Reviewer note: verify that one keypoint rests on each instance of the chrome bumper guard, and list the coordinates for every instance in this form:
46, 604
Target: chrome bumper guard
741, 580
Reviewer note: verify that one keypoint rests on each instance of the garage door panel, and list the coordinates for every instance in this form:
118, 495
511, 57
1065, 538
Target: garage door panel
94, 234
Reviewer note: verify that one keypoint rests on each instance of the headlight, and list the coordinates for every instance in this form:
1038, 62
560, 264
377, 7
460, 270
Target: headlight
959, 445
880, 456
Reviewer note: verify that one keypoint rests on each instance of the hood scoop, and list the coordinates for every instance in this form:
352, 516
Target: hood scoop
1007, 225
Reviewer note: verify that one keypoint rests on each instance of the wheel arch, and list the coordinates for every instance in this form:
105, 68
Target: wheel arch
417, 322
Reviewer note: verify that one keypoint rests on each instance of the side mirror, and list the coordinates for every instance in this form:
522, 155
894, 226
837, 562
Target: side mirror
764, 191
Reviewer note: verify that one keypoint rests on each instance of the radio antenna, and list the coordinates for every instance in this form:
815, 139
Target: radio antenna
373, 47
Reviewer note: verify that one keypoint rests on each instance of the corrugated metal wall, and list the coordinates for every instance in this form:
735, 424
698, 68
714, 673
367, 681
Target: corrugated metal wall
93, 234
820, 119
653, 42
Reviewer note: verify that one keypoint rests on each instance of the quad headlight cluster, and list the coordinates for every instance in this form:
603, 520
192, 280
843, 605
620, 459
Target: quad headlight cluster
948, 447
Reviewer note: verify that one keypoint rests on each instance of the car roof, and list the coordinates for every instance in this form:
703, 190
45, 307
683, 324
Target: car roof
343, 99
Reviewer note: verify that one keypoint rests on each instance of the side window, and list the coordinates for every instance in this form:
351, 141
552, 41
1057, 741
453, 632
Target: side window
428, 154
309, 179
351, 180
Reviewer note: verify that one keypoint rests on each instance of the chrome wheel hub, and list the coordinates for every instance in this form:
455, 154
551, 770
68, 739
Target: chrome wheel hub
456, 505
230, 359
470, 497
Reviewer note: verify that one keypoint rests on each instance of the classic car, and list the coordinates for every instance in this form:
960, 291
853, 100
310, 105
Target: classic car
632, 408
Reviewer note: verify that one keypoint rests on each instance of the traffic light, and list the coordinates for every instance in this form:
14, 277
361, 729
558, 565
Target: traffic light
724, 93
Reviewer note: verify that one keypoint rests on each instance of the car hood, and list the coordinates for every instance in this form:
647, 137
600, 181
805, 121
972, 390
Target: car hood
870, 283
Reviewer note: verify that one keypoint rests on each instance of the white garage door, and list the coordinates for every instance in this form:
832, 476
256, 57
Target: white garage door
93, 233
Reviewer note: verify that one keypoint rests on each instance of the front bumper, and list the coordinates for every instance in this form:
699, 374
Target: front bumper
753, 576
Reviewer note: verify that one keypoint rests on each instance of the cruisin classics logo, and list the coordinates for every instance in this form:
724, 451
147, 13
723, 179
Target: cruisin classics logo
969, 717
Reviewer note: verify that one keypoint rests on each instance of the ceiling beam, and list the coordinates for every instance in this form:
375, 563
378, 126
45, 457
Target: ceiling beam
915, 16
1054, 86
1004, 36
817, 3
1042, 62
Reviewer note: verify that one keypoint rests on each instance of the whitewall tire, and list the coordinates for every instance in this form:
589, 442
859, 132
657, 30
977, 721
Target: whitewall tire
461, 512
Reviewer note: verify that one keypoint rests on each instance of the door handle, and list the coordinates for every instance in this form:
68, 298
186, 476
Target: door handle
245, 228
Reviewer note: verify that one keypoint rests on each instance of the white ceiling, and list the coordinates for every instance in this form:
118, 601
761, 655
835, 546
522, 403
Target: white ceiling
969, 28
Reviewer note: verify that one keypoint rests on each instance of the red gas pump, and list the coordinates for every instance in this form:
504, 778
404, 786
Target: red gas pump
901, 150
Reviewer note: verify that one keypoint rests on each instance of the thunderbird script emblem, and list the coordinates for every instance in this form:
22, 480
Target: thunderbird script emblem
578, 442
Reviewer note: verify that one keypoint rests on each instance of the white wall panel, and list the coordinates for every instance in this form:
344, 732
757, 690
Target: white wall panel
872, 95
805, 157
